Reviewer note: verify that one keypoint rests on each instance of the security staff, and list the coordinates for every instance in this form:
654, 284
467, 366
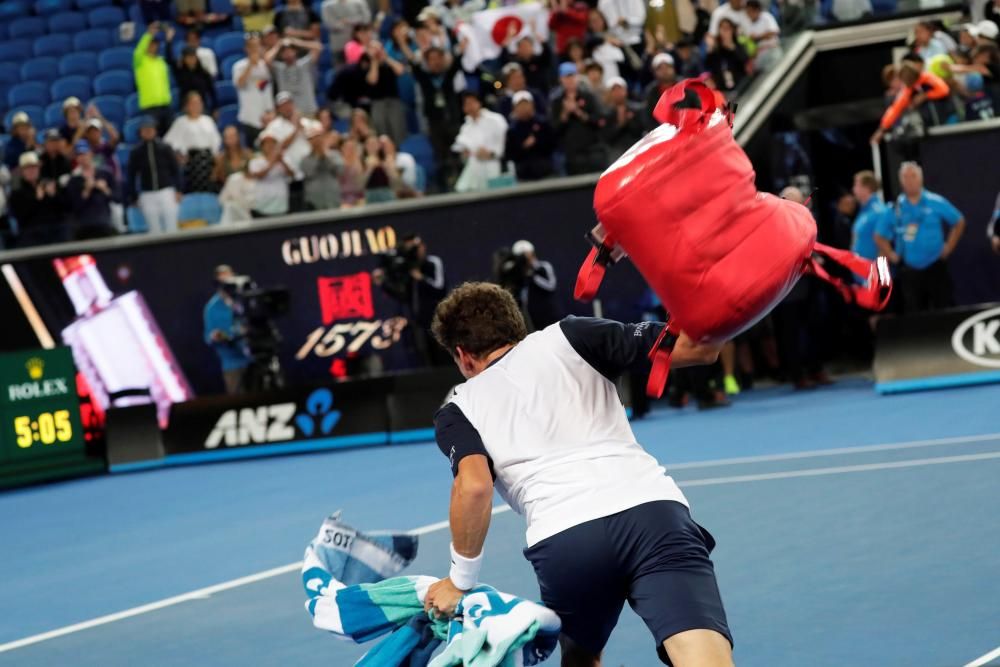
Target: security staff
866, 191
919, 238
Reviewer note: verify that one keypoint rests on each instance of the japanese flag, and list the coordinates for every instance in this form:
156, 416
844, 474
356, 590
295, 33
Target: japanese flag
488, 29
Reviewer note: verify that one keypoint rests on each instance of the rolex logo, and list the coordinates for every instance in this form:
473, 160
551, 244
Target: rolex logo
35, 367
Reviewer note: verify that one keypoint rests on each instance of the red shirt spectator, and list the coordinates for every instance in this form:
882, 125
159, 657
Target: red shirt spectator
568, 21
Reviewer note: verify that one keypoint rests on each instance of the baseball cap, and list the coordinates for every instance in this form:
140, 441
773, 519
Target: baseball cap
147, 121
283, 97
567, 69
20, 118
268, 29
52, 134
188, 51
428, 13
28, 159
95, 123
662, 59
264, 136
522, 96
984, 28
616, 81
82, 146
314, 130
522, 247
72, 102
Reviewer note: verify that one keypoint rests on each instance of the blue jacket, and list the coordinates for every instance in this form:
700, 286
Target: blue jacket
219, 315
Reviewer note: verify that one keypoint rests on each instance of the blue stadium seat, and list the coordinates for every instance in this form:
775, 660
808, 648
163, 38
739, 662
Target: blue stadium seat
134, 221
419, 146
228, 44
54, 114
121, 155
35, 113
71, 86
115, 82
221, 7
17, 50
106, 17
132, 106
225, 93
117, 57
10, 73
112, 107
31, 93
92, 40
226, 65
28, 26
130, 131
11, 10
91, 4
227, 116
40, 69
67, 22
49, 7
52, 45
200, 206
83, 62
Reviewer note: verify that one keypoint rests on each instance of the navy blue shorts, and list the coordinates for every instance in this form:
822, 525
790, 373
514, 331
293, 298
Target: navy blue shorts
653, 555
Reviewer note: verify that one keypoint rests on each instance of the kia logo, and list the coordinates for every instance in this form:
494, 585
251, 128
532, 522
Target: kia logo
976, 340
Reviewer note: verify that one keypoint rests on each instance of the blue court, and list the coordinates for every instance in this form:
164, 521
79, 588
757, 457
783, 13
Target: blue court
853, 529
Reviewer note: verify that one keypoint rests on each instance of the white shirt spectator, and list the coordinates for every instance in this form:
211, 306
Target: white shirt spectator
188, 134
238, 197
206, 57
271, 191
608, 56
256, 95
634, 13
765, 24
725, 11
489, 131
299, 80
281, 128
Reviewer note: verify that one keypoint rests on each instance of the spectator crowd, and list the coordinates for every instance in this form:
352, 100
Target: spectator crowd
349, 102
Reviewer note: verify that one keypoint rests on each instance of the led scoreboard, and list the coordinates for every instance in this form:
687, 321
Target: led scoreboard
40, 432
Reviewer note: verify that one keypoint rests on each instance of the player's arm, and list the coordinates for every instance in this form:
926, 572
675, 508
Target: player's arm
470, 510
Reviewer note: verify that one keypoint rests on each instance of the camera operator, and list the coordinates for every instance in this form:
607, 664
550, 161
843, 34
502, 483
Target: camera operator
531, 281
223, 332
415, 278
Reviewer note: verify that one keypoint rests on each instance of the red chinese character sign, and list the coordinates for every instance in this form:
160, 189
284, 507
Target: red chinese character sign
345, 297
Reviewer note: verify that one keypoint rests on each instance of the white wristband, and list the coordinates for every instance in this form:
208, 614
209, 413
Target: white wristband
464, 571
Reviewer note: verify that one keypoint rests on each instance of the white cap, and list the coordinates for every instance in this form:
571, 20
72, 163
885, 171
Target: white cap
282, 97
617, 81
20, 118
72, 102
95, 123
428, 13
28, 159
984, 28
521, 96
662, 59
522, 247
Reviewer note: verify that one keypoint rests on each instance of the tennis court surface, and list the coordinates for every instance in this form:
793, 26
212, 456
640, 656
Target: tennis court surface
853, 530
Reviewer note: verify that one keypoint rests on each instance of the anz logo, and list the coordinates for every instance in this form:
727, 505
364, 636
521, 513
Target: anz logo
976, 339
280, 422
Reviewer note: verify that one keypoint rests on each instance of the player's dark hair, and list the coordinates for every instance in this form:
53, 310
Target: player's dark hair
479, 318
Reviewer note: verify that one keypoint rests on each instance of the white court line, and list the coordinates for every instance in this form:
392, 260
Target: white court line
833, 452
202, 593
985, 659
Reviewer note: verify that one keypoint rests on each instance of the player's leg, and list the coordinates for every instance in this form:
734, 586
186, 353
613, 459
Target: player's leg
673, 586
574, 655
579, 580
699, 648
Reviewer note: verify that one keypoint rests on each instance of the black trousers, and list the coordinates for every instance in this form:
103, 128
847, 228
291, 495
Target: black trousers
926, 289
164, 117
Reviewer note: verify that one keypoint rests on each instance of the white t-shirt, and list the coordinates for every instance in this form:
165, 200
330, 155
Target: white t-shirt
206, 57
489, 131
256, 95
281, 129
271, 191
764, 24
634, 13
186, 134
407, 169
549, 420
725, 11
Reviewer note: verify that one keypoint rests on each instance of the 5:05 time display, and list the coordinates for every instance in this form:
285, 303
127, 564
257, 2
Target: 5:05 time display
47, 428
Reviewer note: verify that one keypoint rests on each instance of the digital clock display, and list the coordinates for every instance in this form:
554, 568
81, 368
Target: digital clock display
40, 432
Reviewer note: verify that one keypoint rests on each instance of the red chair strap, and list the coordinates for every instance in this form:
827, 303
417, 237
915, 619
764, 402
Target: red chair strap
872, 294
660, 355
588, 280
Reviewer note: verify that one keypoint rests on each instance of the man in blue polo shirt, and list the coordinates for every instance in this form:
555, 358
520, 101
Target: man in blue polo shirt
224, 333
873, 209
919, 239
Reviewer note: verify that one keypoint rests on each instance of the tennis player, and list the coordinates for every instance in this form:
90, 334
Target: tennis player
540, 418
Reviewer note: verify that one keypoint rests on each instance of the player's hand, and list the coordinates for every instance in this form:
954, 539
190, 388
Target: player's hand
442, 598
688, 352
996, 244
